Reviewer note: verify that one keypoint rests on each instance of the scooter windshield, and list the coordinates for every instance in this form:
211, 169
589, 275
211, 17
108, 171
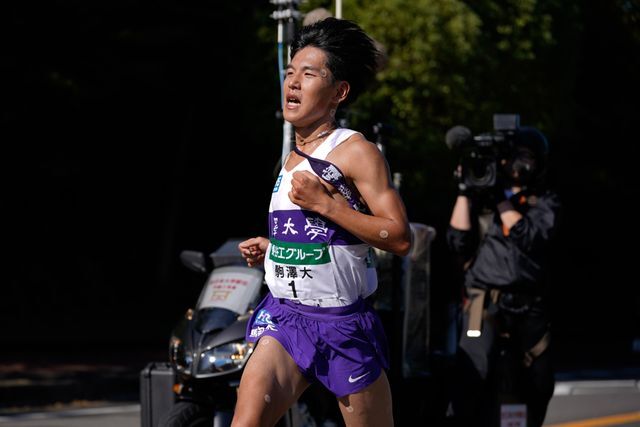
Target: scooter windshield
214, 318
231, 287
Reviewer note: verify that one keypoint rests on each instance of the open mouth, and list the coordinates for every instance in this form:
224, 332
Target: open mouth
293, 100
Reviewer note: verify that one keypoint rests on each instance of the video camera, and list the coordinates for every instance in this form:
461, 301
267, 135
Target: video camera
480, 155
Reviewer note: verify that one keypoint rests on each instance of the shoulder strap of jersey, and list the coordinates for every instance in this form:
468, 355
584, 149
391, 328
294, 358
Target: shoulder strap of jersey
337, 137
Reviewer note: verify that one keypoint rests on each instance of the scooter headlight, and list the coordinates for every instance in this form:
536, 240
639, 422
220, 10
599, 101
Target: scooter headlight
224, 358
178, 356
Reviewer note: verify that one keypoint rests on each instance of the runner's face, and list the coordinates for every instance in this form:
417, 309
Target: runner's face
310, 92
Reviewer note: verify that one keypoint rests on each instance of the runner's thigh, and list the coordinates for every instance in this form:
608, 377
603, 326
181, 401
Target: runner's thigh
270, 384
370, 407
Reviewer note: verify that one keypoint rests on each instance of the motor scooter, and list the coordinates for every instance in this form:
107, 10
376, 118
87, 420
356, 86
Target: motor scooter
208, 350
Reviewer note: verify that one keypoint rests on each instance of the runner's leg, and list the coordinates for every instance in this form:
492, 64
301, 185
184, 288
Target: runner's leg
270, 384
370, 407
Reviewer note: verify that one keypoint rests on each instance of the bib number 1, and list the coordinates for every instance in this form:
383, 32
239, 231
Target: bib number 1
293, 288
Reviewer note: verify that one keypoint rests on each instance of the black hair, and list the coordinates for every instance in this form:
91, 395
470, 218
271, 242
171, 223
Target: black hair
534, 140
352, 55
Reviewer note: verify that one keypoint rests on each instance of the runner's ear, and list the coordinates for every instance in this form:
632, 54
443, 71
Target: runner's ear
342, 91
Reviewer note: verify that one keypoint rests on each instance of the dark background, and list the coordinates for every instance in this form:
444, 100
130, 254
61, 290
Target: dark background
133, 130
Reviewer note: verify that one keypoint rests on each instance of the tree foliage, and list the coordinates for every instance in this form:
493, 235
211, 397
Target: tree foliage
451, 62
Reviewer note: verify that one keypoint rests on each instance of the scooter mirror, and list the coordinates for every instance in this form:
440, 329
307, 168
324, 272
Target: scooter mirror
194, 261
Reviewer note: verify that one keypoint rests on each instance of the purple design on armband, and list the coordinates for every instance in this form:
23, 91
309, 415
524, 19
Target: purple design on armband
334, 176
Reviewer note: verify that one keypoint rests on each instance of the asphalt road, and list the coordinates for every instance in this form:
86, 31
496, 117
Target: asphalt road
107, 416
574, 404
595, 403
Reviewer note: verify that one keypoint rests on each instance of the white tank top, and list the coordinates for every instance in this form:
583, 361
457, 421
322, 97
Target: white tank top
310, 259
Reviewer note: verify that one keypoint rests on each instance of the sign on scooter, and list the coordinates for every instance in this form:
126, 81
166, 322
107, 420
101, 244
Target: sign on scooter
232, 288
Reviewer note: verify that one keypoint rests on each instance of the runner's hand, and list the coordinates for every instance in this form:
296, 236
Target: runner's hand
253, 250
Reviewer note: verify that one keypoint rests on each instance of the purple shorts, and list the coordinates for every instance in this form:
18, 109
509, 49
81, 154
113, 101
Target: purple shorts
344, 348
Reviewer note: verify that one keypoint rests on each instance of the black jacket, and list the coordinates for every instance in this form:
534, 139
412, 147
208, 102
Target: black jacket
516, 262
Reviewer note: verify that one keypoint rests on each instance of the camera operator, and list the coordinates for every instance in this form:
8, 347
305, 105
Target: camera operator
500, 235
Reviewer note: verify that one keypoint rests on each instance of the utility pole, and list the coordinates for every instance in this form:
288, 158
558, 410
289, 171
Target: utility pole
287, 14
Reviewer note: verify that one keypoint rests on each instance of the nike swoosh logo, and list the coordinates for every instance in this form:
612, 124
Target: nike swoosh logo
353, 380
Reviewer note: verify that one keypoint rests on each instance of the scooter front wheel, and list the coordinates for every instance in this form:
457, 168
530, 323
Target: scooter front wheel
188, 414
